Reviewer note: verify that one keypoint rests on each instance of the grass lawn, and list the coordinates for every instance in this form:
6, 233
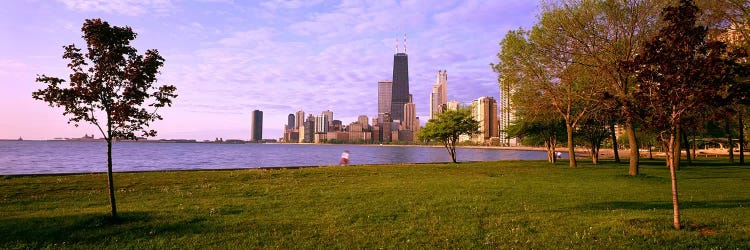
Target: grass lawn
506, 204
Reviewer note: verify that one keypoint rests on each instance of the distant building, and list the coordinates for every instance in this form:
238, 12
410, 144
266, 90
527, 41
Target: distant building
309, 129
386, 128
329, 116
291, 136
340, 136
507, 114
256, 133
384, 98
484, 110
321, 124
363, 120
439, 95
375, 132
290, 124
336, 125
400, 88
410, 125
299, 120
453, 105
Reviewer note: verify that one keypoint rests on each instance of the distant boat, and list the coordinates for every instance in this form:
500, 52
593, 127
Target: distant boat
20, 139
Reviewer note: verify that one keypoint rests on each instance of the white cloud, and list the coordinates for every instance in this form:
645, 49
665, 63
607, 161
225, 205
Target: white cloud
123, 7
290, 4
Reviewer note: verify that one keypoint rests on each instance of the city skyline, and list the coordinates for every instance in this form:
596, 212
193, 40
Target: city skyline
227, 59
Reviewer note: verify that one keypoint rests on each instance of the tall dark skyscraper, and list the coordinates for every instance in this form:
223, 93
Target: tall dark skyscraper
256, 133
400, 88
290, 122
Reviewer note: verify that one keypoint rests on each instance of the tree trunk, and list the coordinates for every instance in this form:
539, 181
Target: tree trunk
742, 137
676, 149
650, 152
614, 142
729, 142
634, 154
452, 151
687, 147
675, 202
595, 155
550, 152
694, 146
110, 180
668, 145
571, 147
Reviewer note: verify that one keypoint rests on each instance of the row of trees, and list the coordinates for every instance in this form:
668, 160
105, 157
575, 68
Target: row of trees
653, 67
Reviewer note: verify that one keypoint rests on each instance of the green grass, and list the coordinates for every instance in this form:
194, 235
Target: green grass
510, 204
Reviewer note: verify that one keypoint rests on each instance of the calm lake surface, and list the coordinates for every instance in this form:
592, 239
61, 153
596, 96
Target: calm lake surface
48, 157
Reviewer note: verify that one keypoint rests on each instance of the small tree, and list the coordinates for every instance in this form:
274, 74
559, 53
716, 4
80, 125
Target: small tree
546, 132
447, 127
108, 87
593, 131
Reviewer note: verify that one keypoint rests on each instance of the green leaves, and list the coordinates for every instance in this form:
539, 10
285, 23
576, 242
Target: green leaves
110, 82
447, 127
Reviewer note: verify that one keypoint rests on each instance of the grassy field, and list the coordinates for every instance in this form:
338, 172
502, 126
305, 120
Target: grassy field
508, 204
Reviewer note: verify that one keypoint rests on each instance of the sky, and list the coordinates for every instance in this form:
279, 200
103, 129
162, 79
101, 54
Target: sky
228, 58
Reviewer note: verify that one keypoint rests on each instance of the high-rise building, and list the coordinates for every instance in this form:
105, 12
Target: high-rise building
439, 96
386, 128
329, 116
400, 88
290, 122
484, 110
453, 105
506, 113
300, 121
309, 129
410, 116
256, 129
321, 124
384, 98
336, 125
363, 120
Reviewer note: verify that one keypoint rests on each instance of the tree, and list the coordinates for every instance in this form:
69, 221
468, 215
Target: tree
544, 63
680, 71
536, 121
605, 33
108, 87
594, 130
447, 127
546, 132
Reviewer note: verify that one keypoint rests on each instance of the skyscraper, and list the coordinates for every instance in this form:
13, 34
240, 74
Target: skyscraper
321, 124
387, 128
400, 88
506, 113
257, 126
484, 110
290, 122
329, 116
410, 116
309, 129
300, 120
454, 105
363, 120
439, 95
384, 98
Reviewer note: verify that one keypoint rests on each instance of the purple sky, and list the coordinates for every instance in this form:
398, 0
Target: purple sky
228, 58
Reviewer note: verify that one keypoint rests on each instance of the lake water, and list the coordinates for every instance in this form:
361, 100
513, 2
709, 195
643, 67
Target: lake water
48, 157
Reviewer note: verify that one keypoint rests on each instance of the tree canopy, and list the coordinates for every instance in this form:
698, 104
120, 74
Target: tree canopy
447, 127
111, 87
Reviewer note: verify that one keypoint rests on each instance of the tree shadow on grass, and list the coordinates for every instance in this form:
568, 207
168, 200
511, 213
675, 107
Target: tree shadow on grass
91, 229
648, 205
